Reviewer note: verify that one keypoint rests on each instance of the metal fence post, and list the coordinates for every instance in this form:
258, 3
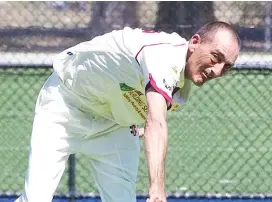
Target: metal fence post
268, 27
72, 177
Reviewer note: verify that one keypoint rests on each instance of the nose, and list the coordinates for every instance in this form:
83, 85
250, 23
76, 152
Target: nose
217, 70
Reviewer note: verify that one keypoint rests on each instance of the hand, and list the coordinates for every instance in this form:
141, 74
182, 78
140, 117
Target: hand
156, 196
156, 199
141, 132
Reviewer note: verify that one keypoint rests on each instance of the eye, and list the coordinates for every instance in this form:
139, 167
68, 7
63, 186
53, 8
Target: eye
216, 57
227, 67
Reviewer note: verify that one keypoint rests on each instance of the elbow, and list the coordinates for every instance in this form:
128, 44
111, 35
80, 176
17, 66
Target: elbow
156, 123
156, 130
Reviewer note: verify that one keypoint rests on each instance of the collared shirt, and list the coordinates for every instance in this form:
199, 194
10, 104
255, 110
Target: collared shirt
110, 73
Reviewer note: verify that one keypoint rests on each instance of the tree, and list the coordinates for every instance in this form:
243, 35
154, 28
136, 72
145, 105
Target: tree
110, 15
184, 17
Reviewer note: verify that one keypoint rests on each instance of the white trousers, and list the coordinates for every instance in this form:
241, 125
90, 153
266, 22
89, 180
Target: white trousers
59, 129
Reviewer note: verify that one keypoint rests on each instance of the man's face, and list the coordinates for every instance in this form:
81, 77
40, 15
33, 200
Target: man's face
209, 60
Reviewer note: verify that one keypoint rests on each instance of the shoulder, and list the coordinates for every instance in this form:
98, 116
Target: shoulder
149, 36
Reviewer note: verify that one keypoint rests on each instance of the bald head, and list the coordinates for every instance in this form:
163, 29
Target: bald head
212, 51
209, 30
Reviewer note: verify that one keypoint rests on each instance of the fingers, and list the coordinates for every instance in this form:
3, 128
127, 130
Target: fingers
141, 132
155, 200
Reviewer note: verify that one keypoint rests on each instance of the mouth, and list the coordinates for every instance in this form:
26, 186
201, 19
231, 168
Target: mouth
206, 76
203, 77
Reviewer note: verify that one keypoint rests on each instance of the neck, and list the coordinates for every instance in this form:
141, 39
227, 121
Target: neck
186, 65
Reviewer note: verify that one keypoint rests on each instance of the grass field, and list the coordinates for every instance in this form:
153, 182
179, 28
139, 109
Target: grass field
220, 142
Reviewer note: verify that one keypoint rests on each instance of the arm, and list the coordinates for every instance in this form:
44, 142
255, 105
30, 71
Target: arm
161, 75
155, 143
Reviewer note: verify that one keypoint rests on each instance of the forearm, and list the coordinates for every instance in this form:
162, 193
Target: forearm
155, 141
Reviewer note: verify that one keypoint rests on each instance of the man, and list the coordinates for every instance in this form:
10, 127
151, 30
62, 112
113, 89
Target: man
102, 90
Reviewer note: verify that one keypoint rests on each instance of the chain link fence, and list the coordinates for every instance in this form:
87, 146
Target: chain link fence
219, 143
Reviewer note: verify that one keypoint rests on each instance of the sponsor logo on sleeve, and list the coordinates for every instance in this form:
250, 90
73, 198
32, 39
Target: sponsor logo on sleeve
170, 80
169, 86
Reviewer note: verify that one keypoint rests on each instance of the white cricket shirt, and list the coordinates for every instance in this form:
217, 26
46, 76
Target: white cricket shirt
110, 73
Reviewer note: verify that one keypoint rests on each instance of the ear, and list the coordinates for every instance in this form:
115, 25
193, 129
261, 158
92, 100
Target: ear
194, 42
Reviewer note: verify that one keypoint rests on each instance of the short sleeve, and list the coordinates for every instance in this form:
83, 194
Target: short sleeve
159, 63
181, 95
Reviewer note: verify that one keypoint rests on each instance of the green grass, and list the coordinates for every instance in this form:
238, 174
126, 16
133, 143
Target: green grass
219, 142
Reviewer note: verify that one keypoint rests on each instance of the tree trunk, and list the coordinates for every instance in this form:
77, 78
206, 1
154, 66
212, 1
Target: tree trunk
111, 15
184, 17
